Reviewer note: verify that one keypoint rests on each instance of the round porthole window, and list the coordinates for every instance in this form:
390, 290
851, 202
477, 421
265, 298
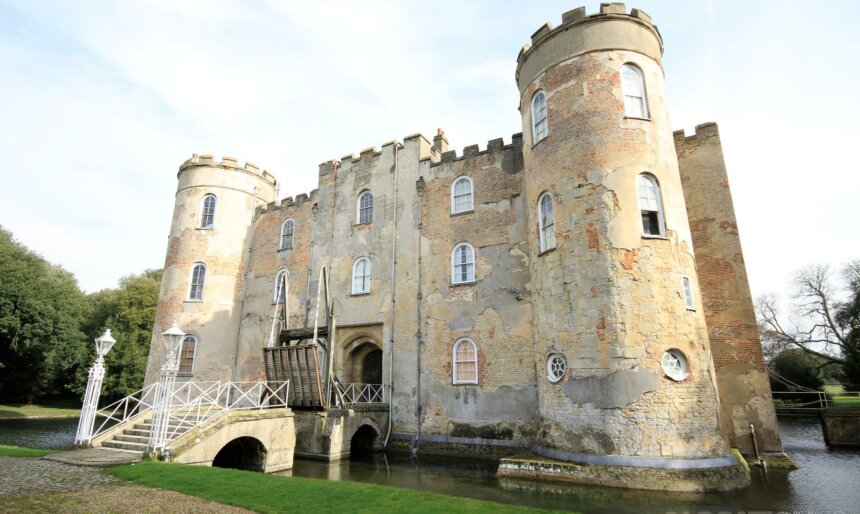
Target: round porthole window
555, 367
674, 365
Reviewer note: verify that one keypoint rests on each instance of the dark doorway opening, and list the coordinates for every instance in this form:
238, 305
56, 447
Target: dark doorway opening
363, 443
371, 368
243, 453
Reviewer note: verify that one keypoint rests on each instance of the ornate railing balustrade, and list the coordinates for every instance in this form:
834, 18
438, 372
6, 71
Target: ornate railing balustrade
360, 393
193, 404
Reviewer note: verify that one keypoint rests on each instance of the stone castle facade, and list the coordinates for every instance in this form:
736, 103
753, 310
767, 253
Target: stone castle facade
579, 291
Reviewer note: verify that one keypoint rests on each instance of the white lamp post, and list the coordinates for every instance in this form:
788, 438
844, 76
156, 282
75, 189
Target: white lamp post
94, 390
164, 392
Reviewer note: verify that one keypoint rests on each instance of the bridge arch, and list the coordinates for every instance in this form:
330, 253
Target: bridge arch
365, 439
244, 452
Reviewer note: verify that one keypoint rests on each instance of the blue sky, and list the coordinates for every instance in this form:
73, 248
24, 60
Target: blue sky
101, 102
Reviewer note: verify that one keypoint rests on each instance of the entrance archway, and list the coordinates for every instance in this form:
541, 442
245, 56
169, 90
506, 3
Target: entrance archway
245, 453
371, 368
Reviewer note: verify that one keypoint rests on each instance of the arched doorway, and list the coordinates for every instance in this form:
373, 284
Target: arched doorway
363, 442
371, 368
243, 453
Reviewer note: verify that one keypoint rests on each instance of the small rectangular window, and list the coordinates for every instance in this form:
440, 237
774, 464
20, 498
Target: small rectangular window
687, 286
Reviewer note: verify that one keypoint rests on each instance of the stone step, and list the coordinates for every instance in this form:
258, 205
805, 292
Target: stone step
124, 445
133, 431
132, 439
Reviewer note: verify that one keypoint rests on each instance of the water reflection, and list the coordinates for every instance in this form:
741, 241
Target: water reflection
57, 433
827, 480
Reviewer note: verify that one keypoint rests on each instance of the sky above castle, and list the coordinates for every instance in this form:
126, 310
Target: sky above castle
101, 102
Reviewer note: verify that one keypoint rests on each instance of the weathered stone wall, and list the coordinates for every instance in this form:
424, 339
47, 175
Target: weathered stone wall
494, 311
608, 298
223, 248
741, 372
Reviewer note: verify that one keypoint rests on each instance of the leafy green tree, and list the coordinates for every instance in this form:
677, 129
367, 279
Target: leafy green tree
795, 370
41, 310
129, 312
825, 320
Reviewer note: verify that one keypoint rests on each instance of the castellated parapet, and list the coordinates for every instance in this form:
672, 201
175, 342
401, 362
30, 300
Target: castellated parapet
562, 294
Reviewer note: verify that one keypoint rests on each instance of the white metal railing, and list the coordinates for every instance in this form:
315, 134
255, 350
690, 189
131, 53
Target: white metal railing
122, 410
360, 393
195, 403
800, 400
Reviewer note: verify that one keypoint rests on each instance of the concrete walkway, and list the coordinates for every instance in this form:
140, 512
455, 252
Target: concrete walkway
96, 457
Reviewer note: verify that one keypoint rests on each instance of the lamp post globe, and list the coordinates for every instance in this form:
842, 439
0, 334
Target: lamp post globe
173, 337
104, 343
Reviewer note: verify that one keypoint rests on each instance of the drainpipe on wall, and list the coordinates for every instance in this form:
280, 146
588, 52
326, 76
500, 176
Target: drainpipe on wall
393, 302
419, 185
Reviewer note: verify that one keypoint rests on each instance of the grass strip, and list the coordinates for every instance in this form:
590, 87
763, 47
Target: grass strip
17, 451
37, 411
269, 493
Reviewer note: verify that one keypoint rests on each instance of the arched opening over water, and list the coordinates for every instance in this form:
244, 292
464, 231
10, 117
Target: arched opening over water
245, 453
364, 442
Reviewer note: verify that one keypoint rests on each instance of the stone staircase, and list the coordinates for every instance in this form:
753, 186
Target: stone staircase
136, 437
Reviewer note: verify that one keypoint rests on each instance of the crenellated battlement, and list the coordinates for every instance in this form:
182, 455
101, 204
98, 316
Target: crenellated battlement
285, 203
226, 162
494, 147
703, 130
590, 36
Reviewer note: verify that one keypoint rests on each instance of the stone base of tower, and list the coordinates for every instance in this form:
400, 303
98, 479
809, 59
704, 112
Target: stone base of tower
723, 474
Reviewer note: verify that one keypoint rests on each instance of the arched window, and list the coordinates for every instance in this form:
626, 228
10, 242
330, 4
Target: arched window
546, 222
540, 129
365, 207
198, 277
651, 206
361, 276
207, 219
633, 85
461, 195
281, 280
287, 229
463, 264
186, 355
465, 362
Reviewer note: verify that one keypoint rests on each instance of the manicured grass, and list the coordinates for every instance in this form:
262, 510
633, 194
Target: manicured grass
845, 401
268, 493
37, 411
833, 388
17, 451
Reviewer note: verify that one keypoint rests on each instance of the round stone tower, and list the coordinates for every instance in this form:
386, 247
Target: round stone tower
624, 367
207, 254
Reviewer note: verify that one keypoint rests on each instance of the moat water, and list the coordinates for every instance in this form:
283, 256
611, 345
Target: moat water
828, 481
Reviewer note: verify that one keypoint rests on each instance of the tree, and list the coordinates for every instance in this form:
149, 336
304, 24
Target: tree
129, 312
825, 320
41, 309
795, 370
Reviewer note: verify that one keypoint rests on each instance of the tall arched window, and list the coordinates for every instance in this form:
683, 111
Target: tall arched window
186, 355
651, 206
633, 85
546, 222
365, 207
198, 277
361, 276
465, 362
287, 229
463, 264
461, 195
540, 129
280, 286
207, 219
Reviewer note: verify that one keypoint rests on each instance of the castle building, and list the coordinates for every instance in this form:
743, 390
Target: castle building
578, 292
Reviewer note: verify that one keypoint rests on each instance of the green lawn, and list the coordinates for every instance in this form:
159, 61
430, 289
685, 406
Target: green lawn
834, 390
35, 411
269, 493
17, 451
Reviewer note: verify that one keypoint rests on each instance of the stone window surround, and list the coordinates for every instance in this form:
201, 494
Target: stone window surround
189, 373
191, 285
289, 244
471, 207
474, 356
